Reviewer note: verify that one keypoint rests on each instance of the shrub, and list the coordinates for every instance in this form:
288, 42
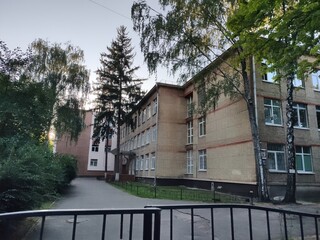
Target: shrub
31, 174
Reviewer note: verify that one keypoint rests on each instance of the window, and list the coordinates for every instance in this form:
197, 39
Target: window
141, 162
201, 96
144, 115
202, 126
316, 80
137, 164
203, 160
153, 161
155, 106
146, 164
93, 162
318, 115
300, 116
190, 132
148, 111
189, 162
189, 106
143, 139
138, 141
154, 133
298, 82
148, 133
303, 159
272, 112
268, 76
276, 158
95, 148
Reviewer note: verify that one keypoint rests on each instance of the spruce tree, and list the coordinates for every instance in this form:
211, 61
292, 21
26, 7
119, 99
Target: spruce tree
118, 91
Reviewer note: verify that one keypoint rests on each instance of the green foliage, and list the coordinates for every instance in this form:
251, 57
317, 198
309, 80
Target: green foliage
61, 71
281, 32
30, 174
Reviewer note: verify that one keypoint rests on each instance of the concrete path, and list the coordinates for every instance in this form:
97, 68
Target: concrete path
88, 193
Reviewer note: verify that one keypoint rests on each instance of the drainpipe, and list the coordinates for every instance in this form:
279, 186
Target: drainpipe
255, 89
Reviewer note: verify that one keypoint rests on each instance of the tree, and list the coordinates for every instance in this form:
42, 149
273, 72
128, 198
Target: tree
188, 36
66, 80
118, 91
283, 32
23, 102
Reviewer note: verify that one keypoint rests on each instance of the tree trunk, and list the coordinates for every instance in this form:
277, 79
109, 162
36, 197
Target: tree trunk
117, 158
106, 158
260, 164
290, 196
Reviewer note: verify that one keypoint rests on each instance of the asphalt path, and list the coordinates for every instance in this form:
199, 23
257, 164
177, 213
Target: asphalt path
89, 193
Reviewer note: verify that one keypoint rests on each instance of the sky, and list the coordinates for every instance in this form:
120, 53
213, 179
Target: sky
88, 24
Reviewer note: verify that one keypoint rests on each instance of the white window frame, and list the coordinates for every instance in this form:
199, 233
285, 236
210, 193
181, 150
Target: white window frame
268, 76
189, 162
153, 161
303, 154
149, 111
297, 83
203, 160
315, 77
202, 126
141, 162
190, 132
272, 107
95, 148
148, 136
137, 164
298, 107
154, 133
93, 162
275, 154
318, 116
189, 106
155, 106
146, 164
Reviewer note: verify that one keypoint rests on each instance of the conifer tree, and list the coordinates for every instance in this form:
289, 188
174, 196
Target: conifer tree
118, 91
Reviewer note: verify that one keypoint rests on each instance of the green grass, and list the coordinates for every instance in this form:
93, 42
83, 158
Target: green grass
176, 193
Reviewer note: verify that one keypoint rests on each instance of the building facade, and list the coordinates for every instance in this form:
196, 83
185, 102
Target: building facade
92, 157
175, 144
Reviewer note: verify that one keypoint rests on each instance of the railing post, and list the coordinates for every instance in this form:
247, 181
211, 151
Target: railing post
157, 225
147, 226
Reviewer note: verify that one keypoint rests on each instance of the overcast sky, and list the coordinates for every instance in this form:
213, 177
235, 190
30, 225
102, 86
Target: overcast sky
89, 24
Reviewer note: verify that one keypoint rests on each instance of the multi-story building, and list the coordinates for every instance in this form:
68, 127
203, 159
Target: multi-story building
177, 145
91, 156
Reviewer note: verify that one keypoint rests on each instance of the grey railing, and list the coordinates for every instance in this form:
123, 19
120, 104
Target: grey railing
150, 222
238, 221
200, 221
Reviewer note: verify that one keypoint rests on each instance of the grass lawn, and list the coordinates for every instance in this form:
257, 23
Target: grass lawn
177, 193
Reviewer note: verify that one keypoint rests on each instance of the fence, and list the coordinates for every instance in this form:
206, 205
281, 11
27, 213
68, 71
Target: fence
205, 221
236, 221
180, 193
150, 223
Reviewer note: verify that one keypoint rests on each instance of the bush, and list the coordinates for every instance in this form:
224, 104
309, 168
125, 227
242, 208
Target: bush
31, 174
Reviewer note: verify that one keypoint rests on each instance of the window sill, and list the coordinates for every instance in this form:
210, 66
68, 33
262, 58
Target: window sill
302, 128
202, 136
273, 125
305, 173
202, 170
270, 82
277, 171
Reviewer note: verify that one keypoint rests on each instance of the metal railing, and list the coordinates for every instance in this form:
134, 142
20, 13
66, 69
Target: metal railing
236, 221
195, 221
150, 222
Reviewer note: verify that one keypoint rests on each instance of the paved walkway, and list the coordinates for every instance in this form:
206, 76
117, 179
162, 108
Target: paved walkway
88, 193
